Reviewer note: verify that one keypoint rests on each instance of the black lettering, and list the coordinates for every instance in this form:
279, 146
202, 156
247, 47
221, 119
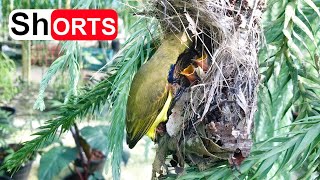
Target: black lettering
35, 24
21, 23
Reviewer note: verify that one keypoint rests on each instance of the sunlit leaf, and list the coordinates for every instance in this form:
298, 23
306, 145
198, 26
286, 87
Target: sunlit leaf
313, 6
55, 160
302, 26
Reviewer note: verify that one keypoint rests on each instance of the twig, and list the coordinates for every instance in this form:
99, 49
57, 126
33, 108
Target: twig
83, 157
78, 172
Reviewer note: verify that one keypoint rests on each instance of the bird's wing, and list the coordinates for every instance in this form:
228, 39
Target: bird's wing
145, 107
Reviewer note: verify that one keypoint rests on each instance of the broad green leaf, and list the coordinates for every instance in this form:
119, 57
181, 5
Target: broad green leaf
295, 49
313, 6
96, 176
289, 13
273, 30
305, 17
55, 160
304, 28
96, 137
310, 76
302, 41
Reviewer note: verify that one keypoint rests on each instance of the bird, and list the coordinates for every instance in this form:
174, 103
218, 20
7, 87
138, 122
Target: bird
150, 95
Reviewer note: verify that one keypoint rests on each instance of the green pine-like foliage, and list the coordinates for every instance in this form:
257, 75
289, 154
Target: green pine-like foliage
285, 147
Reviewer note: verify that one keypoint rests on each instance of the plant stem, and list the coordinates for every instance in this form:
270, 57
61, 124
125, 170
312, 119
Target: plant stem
78, 172
83, 157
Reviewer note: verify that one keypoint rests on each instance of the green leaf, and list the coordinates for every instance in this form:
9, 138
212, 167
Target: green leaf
303, 27
96, 176
55, 160
280, 148
313, 6
266, 165
222, 174
306, 141
96, 137
289, 12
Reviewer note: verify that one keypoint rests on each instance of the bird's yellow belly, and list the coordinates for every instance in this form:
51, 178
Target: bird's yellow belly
162, 117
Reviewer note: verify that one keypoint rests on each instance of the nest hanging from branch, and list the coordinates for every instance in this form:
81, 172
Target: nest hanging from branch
211, 117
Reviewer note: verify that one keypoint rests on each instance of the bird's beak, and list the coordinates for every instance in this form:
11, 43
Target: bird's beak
190, 73
202, 62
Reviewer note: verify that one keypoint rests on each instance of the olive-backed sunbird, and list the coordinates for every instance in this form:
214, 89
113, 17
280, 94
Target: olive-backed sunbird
149, 98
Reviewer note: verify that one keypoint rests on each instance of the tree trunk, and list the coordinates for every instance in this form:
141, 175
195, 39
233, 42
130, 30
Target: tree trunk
26, 61
68, 4
26, 53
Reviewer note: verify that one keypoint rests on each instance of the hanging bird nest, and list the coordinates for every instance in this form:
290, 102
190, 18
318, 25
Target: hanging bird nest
211, 116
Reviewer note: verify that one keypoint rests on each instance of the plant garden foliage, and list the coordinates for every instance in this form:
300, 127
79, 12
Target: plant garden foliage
55, 160
7, 88
285, 145
113, 89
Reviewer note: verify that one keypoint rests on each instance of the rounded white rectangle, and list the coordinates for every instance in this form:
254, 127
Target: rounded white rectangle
30, 24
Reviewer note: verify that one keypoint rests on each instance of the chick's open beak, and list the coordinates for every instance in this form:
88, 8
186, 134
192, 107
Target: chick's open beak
203, 62
190, 73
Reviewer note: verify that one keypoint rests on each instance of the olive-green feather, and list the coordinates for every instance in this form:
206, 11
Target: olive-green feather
148, 92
